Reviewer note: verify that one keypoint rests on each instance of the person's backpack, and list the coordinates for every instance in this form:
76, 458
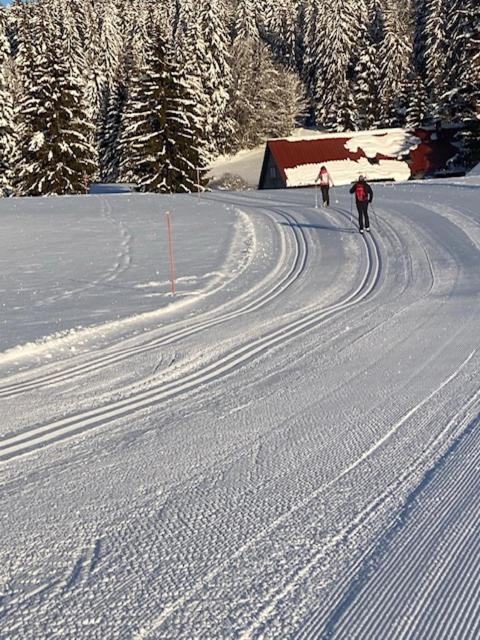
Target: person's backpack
361, 192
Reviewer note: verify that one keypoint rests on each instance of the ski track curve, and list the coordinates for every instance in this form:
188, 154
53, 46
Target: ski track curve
415, 576
30, 440
405, 478
299, 261
346, 621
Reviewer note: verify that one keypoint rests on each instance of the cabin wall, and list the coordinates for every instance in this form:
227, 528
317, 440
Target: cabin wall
271, 176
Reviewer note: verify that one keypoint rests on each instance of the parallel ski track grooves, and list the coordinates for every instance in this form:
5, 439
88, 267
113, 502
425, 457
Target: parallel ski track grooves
298, 267
399, 578
41, 436
322, 624
348, 530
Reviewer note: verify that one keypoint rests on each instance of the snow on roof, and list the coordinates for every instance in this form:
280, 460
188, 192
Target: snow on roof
314, 134
247, 164
394, 143
381, 144
333, 149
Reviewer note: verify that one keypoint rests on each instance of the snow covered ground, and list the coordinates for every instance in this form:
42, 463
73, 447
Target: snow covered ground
288, 448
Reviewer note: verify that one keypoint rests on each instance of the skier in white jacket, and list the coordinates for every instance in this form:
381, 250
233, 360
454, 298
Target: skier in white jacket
325, 184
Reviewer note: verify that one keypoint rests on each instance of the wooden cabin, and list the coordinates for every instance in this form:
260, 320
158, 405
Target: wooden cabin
388, 154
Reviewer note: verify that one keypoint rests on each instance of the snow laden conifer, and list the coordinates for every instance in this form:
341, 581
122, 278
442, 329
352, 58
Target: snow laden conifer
115, 46
280, 30
462, 97
109, 135
158, 140
7, 124
69, 16
187, 55
288, 101
94, 79
417, 105
111, 40
463, 55
337, 30
245, 22
55, 155
188, 149
365, 75
435, 55
365, 85
308, 43
267, 97
395, 55
215, 74
419, 14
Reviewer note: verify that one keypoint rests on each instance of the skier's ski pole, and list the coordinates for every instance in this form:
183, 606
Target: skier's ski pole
351, 209
316, 196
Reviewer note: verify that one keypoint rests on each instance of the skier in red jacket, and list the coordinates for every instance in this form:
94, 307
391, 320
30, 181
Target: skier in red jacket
325, 184
363, 196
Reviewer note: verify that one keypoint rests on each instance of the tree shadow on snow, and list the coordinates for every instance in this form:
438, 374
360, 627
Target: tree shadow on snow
319, 226
97, 188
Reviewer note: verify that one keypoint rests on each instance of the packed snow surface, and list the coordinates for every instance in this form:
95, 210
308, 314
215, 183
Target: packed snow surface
287, 448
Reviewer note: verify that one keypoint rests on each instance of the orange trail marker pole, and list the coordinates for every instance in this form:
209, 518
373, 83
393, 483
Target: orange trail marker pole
170, 251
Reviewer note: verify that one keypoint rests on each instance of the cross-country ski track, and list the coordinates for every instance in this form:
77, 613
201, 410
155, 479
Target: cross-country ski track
289, 449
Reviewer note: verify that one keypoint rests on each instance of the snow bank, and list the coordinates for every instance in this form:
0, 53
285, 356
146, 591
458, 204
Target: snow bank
346, 171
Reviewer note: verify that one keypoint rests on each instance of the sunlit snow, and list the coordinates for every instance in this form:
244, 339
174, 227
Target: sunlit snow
286, 448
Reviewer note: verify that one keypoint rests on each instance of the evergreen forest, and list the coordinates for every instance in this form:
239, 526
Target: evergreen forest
146, 91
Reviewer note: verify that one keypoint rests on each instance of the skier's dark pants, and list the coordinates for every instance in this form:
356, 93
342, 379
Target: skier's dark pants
362, 208
325, 196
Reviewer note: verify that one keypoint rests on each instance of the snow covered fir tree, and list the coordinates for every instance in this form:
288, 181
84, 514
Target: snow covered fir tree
7, 131
147, 91
158, 143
